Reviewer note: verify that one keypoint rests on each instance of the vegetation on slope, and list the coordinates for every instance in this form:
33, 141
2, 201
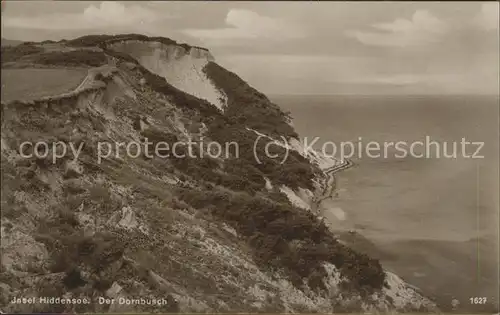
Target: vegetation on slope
73, 58
273, 227
246, 105
14, 53
36, 55
79, 57
103, 40
281, 236
295, 171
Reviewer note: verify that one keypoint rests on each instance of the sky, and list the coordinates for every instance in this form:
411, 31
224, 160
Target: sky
301, 47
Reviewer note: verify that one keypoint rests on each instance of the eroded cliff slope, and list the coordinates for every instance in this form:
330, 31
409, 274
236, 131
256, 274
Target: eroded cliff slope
208, 234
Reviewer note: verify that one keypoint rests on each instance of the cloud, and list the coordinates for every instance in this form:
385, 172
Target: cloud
246, 24
422, 29
107, 14
488, 17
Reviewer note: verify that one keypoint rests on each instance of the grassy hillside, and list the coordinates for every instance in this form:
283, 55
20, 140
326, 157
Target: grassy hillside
14, 53
31, 84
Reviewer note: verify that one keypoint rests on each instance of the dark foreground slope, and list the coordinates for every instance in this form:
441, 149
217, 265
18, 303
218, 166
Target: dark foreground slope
203, 233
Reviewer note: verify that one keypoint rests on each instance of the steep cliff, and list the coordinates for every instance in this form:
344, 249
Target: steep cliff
181, 67
206, 233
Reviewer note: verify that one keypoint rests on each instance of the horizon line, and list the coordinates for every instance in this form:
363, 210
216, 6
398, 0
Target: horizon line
386, 94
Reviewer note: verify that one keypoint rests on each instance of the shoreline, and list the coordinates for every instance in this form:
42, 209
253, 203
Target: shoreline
331, 184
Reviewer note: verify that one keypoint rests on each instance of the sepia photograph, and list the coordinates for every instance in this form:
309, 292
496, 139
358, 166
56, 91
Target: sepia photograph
328, 157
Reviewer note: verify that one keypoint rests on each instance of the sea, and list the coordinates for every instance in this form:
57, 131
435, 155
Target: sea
433, 220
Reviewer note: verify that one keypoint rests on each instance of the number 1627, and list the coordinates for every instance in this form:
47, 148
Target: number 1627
477, 300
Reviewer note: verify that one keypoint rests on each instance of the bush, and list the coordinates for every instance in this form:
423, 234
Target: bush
248, 171
67, 216
100, 196
73, 279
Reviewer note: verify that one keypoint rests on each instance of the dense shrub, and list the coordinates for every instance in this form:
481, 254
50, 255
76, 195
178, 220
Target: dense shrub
271, 227
73, 279
294, 172
103, 40
101, 197
155, 136
248, 171
88, 40
249, 106
72, 58
204, 169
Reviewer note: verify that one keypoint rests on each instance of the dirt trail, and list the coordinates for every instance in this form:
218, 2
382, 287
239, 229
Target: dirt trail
331, 184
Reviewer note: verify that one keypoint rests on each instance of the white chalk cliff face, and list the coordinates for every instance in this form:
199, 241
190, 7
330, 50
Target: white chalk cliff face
180, 67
